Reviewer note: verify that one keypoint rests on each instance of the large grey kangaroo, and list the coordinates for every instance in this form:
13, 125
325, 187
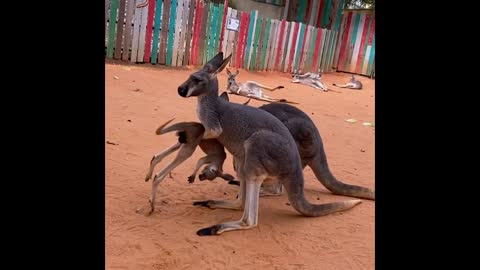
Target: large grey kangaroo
261, 145
312, 153
302, 128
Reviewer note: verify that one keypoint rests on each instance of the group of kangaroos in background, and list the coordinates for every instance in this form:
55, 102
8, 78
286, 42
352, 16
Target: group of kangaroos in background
270, 145
252, 89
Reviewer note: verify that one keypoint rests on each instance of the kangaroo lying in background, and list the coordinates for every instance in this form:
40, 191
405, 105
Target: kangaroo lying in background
251, 89
261, 145
310, 79
352, 84
315, 76
189, 137
312, 153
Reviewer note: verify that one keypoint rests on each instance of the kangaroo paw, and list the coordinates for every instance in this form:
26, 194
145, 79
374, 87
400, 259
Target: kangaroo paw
213, 230
208, 203
234, 182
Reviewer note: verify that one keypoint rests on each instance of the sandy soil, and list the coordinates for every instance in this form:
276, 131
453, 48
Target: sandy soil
140, 97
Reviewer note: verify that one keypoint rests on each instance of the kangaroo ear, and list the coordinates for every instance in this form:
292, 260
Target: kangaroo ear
224, 95
229, 73
214, 63
222, 65
236, 72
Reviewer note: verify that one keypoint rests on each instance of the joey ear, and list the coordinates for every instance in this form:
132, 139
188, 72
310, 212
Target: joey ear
224, 95
236, 72
228, 72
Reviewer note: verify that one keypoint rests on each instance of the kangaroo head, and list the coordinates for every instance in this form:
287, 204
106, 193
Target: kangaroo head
231, 77
320, 71
296, 76
296, 72
209, 173
353, 78
205, 80
296, 79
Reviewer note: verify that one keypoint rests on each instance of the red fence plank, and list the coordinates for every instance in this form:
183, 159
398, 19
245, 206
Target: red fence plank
148, 34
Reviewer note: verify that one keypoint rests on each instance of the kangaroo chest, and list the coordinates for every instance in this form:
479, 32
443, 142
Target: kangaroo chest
207, 114
201, 114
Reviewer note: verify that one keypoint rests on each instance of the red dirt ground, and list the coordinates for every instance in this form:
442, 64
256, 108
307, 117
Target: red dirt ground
140, 98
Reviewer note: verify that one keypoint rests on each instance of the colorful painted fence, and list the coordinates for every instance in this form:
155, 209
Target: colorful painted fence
319, 13
355, 51
189, 32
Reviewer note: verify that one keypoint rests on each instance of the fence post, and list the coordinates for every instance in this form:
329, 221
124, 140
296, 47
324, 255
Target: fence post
225, 11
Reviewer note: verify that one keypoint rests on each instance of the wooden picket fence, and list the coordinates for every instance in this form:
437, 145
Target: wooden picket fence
355, 51
272, 45
190, 32
319, 13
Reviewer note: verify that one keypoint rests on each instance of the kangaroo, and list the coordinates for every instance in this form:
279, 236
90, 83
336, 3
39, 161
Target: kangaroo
315, 76
251, 89
310, 79
352, 84
312, 153
189, 137
262, 148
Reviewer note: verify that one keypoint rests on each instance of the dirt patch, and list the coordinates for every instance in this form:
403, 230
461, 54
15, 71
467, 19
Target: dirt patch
283, 239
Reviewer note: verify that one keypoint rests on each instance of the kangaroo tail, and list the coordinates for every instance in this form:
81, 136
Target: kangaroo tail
175, 127
320, 168
298, 201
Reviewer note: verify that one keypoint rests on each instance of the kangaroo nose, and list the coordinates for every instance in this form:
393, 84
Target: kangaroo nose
182, 91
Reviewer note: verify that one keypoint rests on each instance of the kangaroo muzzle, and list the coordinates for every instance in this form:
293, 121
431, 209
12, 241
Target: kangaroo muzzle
183, 91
